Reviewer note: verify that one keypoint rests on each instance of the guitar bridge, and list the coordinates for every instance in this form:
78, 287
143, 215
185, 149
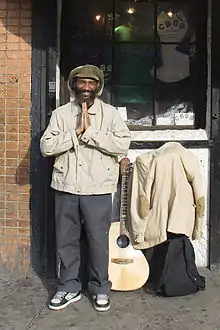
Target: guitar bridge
122, 261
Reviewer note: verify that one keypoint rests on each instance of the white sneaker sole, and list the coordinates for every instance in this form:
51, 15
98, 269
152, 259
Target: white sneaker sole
101, 309
56, 308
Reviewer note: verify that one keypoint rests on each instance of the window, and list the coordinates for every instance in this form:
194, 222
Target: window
153, 54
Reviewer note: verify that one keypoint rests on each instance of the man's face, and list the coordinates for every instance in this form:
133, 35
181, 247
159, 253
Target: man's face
86, 90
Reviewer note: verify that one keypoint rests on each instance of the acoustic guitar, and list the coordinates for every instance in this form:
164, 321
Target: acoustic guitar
128, 268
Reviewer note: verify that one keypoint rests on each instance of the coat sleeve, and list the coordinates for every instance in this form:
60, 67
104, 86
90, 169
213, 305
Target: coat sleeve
199, 198
139, 201
193, 170
54, 140
114, 142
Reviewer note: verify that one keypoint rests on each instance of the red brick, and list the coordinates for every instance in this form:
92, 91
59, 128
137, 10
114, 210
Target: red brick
23, 197
24, 215
2, 214
24, 103
3, 13
26, 14
12, 54
2, 65
2, 28
12, 5
26, 5
2, 54
12, 103
12, 21
12, 137
24, 86
3, 37
25, 240
12, 94
11, 179
3, 4
11, 128
3, 46
11, 223
25, 30
25, 22
11, 231
13, 13
25, 46
12, 38
2, 230
11, 187
11, 119
13, 46
24, 78
3, 22
12, 112
13, 29
11, 197
2, 126
24, 231
11, 171
15, 105
23, 205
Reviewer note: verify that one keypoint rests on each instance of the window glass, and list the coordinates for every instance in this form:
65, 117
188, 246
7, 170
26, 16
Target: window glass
134, 63
152, 53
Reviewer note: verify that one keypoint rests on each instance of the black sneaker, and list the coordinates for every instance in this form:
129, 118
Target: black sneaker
63, 299
101, 302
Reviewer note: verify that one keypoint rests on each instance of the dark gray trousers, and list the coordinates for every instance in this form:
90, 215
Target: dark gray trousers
94, 212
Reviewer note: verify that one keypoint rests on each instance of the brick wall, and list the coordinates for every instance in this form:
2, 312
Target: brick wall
15, 100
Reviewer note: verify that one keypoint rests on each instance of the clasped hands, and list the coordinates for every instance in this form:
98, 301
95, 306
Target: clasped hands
84, 121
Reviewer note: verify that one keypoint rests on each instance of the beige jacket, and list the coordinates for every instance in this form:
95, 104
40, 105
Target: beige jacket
88, 165
166, 194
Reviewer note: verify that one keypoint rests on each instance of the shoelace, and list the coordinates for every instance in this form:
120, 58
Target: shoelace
102, 296
102, 299
59, 295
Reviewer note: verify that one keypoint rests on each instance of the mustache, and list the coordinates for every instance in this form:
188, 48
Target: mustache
80, 97
81, 91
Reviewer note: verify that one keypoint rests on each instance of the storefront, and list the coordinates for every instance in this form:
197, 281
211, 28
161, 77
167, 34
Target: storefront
159, 60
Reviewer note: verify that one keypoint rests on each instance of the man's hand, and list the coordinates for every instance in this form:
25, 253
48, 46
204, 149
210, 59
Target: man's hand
85, 116
80, 129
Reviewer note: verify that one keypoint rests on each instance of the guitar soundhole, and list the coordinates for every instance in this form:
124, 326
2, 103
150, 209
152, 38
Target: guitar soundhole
123, 241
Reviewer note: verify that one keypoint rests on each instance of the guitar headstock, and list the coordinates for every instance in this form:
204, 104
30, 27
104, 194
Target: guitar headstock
125, 166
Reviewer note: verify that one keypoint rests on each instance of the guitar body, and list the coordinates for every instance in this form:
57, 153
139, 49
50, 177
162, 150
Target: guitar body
128, 268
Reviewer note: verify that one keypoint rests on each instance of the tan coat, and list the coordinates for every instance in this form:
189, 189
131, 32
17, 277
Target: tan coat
166, 194
88, 165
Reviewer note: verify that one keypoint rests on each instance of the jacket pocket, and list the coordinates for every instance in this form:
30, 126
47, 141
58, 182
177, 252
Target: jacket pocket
108, 169
59, 164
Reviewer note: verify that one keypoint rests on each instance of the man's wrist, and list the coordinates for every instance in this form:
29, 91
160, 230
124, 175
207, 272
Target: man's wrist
78, 131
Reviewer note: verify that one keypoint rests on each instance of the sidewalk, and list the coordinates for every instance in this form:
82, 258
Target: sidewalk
23, 307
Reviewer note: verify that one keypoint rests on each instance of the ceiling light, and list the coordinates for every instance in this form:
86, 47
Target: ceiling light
131, 10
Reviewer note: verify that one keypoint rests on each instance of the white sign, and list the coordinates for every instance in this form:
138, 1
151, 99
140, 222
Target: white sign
184, 119
164, 121
52, 86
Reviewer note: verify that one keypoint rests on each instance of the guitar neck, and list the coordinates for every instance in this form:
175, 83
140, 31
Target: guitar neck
124, 202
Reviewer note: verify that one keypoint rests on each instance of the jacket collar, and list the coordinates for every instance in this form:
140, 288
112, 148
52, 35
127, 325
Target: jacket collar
76, 109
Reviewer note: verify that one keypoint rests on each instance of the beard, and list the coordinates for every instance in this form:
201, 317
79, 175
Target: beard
83, 95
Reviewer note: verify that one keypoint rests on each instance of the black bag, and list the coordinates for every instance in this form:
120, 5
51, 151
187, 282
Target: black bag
173, 269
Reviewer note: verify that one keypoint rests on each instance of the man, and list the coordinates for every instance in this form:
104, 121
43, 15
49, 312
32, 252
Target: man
86, 136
